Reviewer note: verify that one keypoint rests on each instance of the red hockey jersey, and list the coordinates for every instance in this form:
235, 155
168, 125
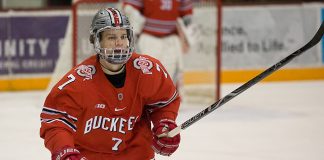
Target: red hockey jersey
86, 111
161, 15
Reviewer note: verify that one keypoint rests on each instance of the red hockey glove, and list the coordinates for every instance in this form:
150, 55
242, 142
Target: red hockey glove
165, 145
68, 153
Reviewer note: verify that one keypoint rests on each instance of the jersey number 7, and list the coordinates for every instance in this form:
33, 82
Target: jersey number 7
71, 79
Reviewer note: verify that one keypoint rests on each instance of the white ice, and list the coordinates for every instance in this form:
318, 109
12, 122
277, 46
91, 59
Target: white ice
270, 121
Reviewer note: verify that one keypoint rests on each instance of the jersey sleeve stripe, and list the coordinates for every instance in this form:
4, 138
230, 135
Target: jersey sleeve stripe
164, 103
135, 3
160, 30
63, 120
185, 5
161, 22
185, 8
52, 111
160, 26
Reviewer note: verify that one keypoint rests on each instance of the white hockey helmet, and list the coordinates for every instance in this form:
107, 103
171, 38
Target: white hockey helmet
111, 18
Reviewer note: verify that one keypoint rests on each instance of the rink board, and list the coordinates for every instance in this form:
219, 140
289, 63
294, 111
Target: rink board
190, 78
28, 56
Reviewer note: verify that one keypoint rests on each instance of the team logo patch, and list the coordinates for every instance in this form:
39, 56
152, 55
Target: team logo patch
143, 64
86, 71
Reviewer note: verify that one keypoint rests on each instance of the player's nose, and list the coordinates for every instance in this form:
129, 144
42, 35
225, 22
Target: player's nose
118, 42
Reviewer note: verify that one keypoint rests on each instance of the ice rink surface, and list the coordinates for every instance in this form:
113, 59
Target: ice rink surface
270, 121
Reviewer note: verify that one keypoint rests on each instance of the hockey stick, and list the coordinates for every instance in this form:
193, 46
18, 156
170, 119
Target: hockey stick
250, 83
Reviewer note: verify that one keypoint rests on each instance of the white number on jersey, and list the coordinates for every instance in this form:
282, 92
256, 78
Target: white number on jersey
158, 68
118, 142
71, 79
166, 5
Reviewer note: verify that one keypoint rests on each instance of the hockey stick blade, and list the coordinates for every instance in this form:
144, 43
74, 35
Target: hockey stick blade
317, 38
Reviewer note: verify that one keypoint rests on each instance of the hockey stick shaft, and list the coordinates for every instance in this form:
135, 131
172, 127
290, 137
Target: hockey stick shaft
317, 38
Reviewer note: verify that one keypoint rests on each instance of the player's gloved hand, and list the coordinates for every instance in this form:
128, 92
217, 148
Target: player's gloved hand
165, 145
68, 153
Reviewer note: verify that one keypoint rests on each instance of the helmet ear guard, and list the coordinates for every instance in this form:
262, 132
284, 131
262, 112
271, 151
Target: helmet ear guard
106, 19
91, 39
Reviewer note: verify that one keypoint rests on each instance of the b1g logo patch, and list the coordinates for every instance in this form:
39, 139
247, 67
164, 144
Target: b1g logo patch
86, 71
143, 64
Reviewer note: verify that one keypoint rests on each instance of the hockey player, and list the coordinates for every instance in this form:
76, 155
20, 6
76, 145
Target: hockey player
156, 24
103, 108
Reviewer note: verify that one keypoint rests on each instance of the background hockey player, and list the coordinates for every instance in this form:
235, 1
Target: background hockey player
103, 108
156, 24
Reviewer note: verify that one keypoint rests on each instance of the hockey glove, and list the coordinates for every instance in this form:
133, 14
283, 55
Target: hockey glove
165, 145
68, 153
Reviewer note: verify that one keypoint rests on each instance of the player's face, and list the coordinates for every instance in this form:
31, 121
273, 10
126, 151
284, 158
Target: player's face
114, 38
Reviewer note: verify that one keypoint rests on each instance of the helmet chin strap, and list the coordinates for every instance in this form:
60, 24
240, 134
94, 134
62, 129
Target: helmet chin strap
109, 71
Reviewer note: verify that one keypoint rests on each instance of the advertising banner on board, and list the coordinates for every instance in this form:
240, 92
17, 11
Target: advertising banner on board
256, 37
30, 43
